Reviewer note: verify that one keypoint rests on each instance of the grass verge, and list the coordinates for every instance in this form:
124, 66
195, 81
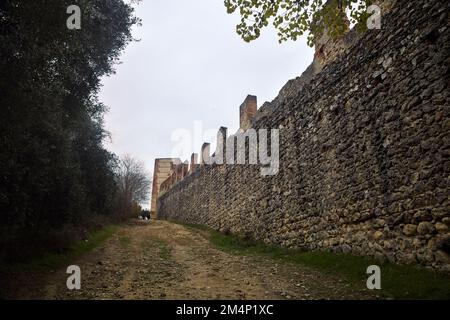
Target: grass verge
54, 260
397, 281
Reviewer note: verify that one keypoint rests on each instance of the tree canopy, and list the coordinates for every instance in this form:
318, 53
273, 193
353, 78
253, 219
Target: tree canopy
294, 18
133, 182
53, 166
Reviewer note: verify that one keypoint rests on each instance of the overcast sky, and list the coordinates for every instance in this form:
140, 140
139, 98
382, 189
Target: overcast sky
190, 70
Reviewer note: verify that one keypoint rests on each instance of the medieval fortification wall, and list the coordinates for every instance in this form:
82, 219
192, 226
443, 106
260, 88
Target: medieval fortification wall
364, 152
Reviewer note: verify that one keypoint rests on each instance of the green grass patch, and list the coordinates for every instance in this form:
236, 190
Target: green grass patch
397, 281
196, 226
164, 250
55, 260
124, 241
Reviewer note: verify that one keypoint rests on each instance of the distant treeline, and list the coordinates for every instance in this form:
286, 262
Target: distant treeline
54, 170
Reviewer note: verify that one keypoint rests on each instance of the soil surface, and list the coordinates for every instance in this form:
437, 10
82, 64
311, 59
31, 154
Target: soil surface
163, 260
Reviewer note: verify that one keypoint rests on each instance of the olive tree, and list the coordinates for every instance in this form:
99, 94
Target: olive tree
293, 18
133, 183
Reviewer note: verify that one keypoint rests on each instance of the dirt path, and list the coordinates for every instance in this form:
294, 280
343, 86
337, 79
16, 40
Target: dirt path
163, 260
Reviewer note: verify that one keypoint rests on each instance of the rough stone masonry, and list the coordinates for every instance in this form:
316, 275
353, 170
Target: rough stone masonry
364, 152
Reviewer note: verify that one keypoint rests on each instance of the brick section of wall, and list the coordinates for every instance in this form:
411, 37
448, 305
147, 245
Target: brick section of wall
247, 112
162, 170
364, 153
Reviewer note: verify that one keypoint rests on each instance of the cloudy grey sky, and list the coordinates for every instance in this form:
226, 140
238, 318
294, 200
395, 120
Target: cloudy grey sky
190, 70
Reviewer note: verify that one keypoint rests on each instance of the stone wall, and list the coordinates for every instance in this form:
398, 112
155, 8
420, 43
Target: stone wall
364, 153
